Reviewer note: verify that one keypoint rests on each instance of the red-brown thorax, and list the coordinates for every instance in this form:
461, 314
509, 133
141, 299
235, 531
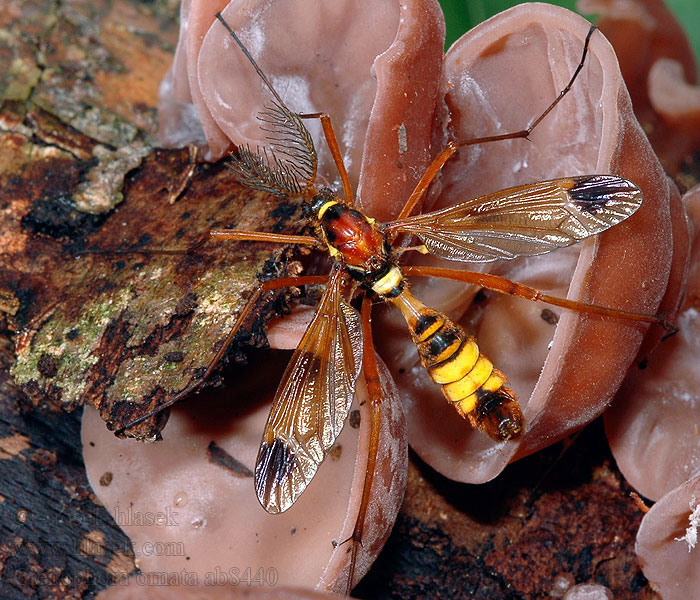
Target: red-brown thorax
354, 236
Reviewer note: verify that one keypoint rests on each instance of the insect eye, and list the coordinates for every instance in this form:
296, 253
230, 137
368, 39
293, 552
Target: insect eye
324, 195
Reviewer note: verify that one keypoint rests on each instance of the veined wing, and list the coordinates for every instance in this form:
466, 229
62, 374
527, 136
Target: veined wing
312, 401
525, 220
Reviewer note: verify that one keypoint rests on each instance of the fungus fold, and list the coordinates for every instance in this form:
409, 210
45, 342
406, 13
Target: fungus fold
378, 69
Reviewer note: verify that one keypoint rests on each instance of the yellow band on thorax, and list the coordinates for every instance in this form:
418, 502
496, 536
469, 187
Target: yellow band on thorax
388, 282
325, 207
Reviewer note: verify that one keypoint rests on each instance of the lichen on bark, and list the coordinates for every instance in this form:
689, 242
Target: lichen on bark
79, 172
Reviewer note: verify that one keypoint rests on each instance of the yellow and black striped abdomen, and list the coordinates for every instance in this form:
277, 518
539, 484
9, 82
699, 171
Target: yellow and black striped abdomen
469, 380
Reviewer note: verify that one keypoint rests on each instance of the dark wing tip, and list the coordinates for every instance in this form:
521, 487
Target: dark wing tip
592, 193
275, 463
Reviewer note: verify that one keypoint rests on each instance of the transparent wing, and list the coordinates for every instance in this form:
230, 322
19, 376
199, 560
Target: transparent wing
525, 220
312, 401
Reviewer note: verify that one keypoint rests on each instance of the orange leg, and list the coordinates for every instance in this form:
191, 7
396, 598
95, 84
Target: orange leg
262, 236
452, 147
192, 248
376, 395
219, 234
332, 142
506, 286
247, 309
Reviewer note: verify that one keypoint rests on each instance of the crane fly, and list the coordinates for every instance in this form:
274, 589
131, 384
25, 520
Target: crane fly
318, 386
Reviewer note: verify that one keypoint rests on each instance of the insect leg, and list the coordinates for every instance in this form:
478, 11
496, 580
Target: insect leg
146, 251
506, 286
376, 395
265, 286
332, 142
262, 236
452, 147
186, 178
427, 178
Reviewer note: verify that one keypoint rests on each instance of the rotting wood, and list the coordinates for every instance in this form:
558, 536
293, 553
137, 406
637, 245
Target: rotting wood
109, 330
78, 170
56, 539
103, 328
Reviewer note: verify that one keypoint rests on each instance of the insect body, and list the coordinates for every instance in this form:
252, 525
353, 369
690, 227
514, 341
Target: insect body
469, 380
320, 376
316, 391
450, 355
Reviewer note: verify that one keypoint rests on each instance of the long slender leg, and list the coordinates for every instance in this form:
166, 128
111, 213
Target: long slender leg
202, 240
452, 147
376, 395
186, 177
262, 236
255, 296
221, 234
165, 252
506, 286
332, 142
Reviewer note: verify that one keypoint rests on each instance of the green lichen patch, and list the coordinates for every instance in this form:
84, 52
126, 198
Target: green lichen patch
133, 329
71, 344
79, 69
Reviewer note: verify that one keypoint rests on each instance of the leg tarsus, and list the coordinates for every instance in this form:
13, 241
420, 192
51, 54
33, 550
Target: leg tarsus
243, 315
451, 147
513, 288
524, 133
358, 529
376, 396
667, 325
263, 236
348, 539
156, 251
